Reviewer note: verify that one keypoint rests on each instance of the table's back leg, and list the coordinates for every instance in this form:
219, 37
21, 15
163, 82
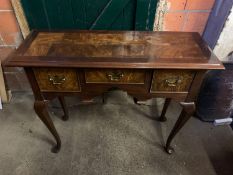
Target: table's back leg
162, 117
41, 110
65, 117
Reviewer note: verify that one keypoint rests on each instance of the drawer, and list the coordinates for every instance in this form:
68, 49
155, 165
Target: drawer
172, 80
115, 76
57, 79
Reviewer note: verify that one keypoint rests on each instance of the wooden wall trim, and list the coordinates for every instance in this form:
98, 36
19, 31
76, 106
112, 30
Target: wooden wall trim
19, 13
4, 94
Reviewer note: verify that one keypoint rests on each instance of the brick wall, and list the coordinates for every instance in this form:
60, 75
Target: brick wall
10, 34
10, 38
183, 15
172, 15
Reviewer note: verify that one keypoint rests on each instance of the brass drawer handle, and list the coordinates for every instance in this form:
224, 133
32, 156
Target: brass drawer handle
115, 76
174, 81
57, 80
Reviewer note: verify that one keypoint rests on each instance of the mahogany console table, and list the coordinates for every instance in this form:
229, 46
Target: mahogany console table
88, 63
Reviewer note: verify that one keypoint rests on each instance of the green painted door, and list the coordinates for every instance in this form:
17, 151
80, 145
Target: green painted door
90, 14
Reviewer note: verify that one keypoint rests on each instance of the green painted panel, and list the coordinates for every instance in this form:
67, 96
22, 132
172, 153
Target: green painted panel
90, 14
35, 14
117, 23
93, 9
129, 19
145, 14
109, 14
59, 14
79, 14
125, 19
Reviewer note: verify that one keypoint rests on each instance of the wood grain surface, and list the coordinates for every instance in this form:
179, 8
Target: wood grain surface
169, 65
113, 76
180, 80
128, 44
115, 49
69, 84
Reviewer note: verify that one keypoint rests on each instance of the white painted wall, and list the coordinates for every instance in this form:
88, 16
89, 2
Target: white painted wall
224, 44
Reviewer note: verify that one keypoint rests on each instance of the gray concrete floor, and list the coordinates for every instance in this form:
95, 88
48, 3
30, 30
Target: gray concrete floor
115, 138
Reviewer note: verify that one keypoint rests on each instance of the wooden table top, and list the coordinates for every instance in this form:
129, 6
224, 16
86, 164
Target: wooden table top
114, 49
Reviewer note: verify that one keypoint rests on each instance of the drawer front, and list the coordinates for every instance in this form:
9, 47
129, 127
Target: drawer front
172, 80
115, 76
57, 79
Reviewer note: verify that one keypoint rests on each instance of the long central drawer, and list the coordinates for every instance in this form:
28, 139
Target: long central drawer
115, 76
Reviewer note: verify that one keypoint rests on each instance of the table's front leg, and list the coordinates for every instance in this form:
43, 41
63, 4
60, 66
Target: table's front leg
187, 111
188, 107
40, 107
42, 111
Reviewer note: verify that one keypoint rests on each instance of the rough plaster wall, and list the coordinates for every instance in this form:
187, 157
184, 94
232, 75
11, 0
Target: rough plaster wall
162, 7
224, 45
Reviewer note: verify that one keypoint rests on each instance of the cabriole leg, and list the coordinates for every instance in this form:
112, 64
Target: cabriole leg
41, 110
187, 112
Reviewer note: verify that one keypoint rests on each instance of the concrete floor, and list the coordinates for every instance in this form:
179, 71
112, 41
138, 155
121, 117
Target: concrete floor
116, 138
